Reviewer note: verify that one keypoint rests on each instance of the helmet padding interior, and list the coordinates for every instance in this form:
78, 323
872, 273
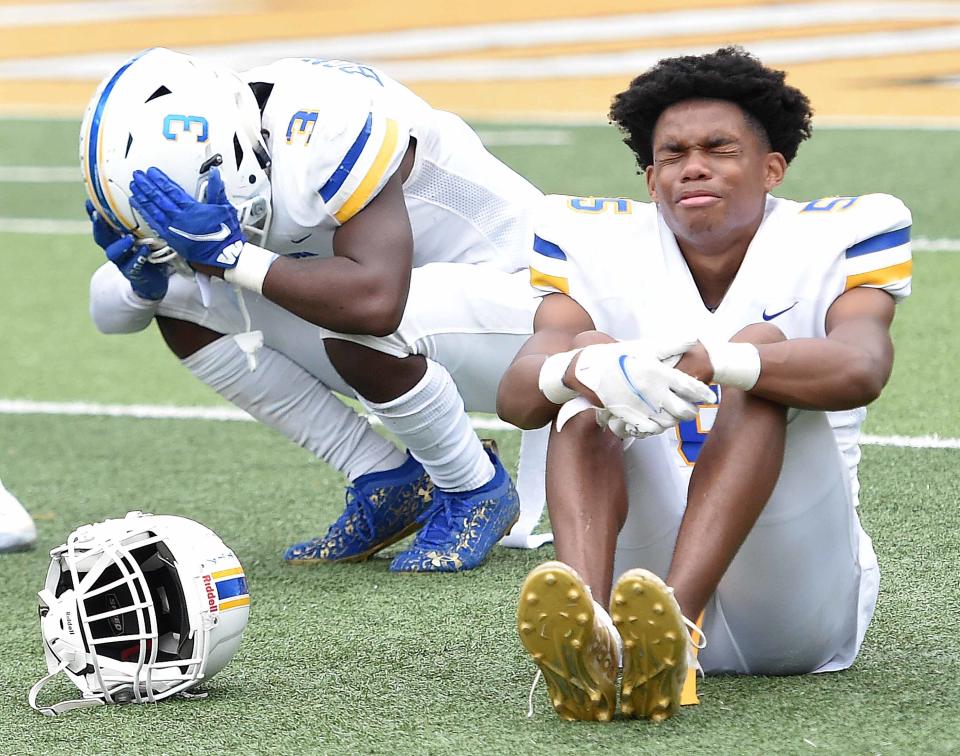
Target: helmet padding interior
166, 593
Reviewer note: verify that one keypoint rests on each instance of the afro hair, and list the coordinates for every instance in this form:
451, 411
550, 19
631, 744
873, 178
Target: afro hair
781, 111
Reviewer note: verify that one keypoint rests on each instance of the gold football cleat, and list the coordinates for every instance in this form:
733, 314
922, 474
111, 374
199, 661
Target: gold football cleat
655, 645
576, 653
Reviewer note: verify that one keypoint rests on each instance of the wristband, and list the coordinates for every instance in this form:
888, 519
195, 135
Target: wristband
251, 268
734, 364
551, 377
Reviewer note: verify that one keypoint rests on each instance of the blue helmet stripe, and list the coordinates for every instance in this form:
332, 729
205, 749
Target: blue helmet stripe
93, 140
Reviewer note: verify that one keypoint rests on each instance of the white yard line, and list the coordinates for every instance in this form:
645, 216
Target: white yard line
391, 48
58, 227
229, 414
40, 174
45, 226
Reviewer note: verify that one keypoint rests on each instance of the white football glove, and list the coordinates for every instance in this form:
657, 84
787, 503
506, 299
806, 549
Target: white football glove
639, 387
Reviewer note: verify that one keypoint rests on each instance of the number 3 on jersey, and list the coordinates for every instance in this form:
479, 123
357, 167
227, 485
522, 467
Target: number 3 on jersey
692, 433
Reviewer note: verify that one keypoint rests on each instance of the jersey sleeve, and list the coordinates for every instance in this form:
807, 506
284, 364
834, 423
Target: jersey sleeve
341, 144
357, 161
549, 264
879, 256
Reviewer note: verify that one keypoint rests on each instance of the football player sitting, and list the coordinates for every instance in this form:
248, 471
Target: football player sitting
741, 518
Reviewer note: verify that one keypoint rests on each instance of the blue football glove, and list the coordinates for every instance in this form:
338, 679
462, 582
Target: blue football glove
201, 232
148, 280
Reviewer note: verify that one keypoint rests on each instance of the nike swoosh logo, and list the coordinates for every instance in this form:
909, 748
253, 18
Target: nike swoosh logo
220, 235
776, 314
626, 377
297, 241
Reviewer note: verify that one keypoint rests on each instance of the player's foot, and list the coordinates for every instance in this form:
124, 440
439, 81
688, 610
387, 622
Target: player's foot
656, 645
461, 528
571, 644
17, 531
382, 508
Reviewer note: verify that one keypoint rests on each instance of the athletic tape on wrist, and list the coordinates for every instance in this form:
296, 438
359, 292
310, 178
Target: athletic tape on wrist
551, 377
734, 364
251, 268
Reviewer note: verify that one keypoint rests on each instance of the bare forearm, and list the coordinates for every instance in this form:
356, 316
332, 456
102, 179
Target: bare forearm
821, 374
338, 293
519, 399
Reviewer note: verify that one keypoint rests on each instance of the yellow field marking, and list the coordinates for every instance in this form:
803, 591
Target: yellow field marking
838, 89
534, 51
862, 88
291, 20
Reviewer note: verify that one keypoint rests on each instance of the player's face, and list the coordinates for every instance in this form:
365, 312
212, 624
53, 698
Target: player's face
711, 172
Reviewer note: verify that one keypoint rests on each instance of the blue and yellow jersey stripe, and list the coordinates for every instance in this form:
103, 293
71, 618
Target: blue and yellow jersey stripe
374, 177
364, 168
548, 266
329, 189
880, 261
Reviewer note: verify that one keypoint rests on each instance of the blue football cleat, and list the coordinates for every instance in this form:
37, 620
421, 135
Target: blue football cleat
460, 528
382, 508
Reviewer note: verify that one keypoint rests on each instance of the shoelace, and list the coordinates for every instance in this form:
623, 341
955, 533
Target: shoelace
536, 680
692, 659
693, 627
438, 520
357, 503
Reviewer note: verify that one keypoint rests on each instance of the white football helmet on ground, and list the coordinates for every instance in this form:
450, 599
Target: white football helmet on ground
138, 609
169, 110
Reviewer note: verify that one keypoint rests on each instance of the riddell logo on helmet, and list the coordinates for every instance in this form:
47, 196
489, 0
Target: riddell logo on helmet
211, 593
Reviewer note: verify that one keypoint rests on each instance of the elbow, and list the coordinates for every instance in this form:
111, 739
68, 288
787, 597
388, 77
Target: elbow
381, 309
862, 383
382, 319
866, 384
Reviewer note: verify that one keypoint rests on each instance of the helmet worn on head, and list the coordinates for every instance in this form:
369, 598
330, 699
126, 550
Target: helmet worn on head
171, 111
138, 609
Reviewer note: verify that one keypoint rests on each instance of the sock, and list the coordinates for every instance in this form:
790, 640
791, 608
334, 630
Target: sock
430, 420
604, 616
283, 395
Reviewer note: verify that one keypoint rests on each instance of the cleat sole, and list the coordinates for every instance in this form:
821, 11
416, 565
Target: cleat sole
580, 675
654, 646
363, 556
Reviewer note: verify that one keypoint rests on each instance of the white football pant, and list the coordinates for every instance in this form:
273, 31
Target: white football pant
801, 590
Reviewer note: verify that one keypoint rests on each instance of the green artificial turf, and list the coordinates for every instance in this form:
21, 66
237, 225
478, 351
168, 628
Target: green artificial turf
354, 660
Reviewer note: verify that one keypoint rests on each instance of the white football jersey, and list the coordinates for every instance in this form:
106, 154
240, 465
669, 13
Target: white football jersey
337, 131
618, 259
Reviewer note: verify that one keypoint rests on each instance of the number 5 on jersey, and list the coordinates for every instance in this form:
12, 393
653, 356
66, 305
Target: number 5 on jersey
692, 433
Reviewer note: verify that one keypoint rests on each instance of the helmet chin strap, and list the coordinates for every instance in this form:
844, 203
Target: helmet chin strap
63, 706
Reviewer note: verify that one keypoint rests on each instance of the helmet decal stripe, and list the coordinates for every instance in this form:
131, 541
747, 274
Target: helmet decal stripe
93, 147
231, 587
346, 165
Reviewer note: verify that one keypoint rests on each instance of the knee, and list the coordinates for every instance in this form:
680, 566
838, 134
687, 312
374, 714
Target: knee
376, 376
583, 431
183, 337
588, 338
